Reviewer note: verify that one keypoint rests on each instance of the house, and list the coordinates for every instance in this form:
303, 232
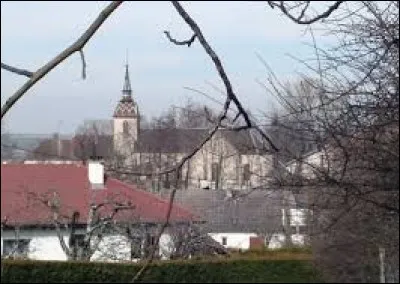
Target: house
39, 200
248, 219
231, 159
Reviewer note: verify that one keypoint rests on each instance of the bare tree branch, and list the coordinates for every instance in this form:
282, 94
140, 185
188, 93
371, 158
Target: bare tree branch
185, 42
218, 65
83, 64
76, 46
212, 54
300, 19
15, 70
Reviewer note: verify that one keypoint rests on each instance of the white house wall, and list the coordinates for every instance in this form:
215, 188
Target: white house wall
234, 240
45, 245
166, 246
278, 240
242, 240
298, 217
115, 248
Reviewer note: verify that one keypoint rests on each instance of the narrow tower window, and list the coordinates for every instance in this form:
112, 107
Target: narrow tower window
125, 127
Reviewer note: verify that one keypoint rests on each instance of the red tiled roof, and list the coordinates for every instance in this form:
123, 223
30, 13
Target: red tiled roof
24, 188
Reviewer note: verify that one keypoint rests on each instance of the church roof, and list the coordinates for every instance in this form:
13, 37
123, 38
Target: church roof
183, 140
126, 106
175, 140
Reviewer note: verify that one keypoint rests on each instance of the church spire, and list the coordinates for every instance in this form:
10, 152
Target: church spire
127, 90
126, 106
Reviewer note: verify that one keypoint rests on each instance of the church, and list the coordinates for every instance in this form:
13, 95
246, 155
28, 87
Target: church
230, 160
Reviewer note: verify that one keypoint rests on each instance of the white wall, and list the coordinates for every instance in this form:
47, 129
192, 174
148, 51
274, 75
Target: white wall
234, 240
45, 245
124, 144
166, 246
242, 240
298, 217
114, 248
278, 240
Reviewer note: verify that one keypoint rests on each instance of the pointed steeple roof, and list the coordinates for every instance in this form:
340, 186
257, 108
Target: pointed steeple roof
126, 106
127, 90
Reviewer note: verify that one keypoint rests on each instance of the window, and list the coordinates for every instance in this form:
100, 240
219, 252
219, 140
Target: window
150, 242
235, 220
246, 172
16, 247
167, 183
125, 127
136, 248
322, 160
153, 240
298, 217
77, 240
224, 241
205, 172
214, 171
77, 243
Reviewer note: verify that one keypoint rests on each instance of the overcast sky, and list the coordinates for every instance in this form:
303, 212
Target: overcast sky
34, 32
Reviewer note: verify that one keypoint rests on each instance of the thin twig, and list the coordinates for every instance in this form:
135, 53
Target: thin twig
16, 70
299, 19
83, 64
184, 42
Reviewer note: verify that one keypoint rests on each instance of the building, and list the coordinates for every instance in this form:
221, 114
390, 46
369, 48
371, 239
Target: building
40, 200
248, 219
231, 159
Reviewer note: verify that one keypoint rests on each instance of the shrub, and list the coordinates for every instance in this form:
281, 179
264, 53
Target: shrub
227, 271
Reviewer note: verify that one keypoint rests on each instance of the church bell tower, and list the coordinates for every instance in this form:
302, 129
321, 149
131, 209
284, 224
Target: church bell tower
126, 120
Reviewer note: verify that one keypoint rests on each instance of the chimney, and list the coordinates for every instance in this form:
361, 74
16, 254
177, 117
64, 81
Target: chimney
96, 173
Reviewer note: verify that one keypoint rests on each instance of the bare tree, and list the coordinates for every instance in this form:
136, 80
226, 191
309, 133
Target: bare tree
91, 140
350, 115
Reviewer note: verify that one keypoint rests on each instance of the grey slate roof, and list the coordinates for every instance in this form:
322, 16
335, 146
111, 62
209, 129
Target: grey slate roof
180, 140
169, 140
253, 211
175, 140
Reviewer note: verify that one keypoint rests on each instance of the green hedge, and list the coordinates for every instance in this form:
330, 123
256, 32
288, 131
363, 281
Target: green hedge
294, 253
227, 271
